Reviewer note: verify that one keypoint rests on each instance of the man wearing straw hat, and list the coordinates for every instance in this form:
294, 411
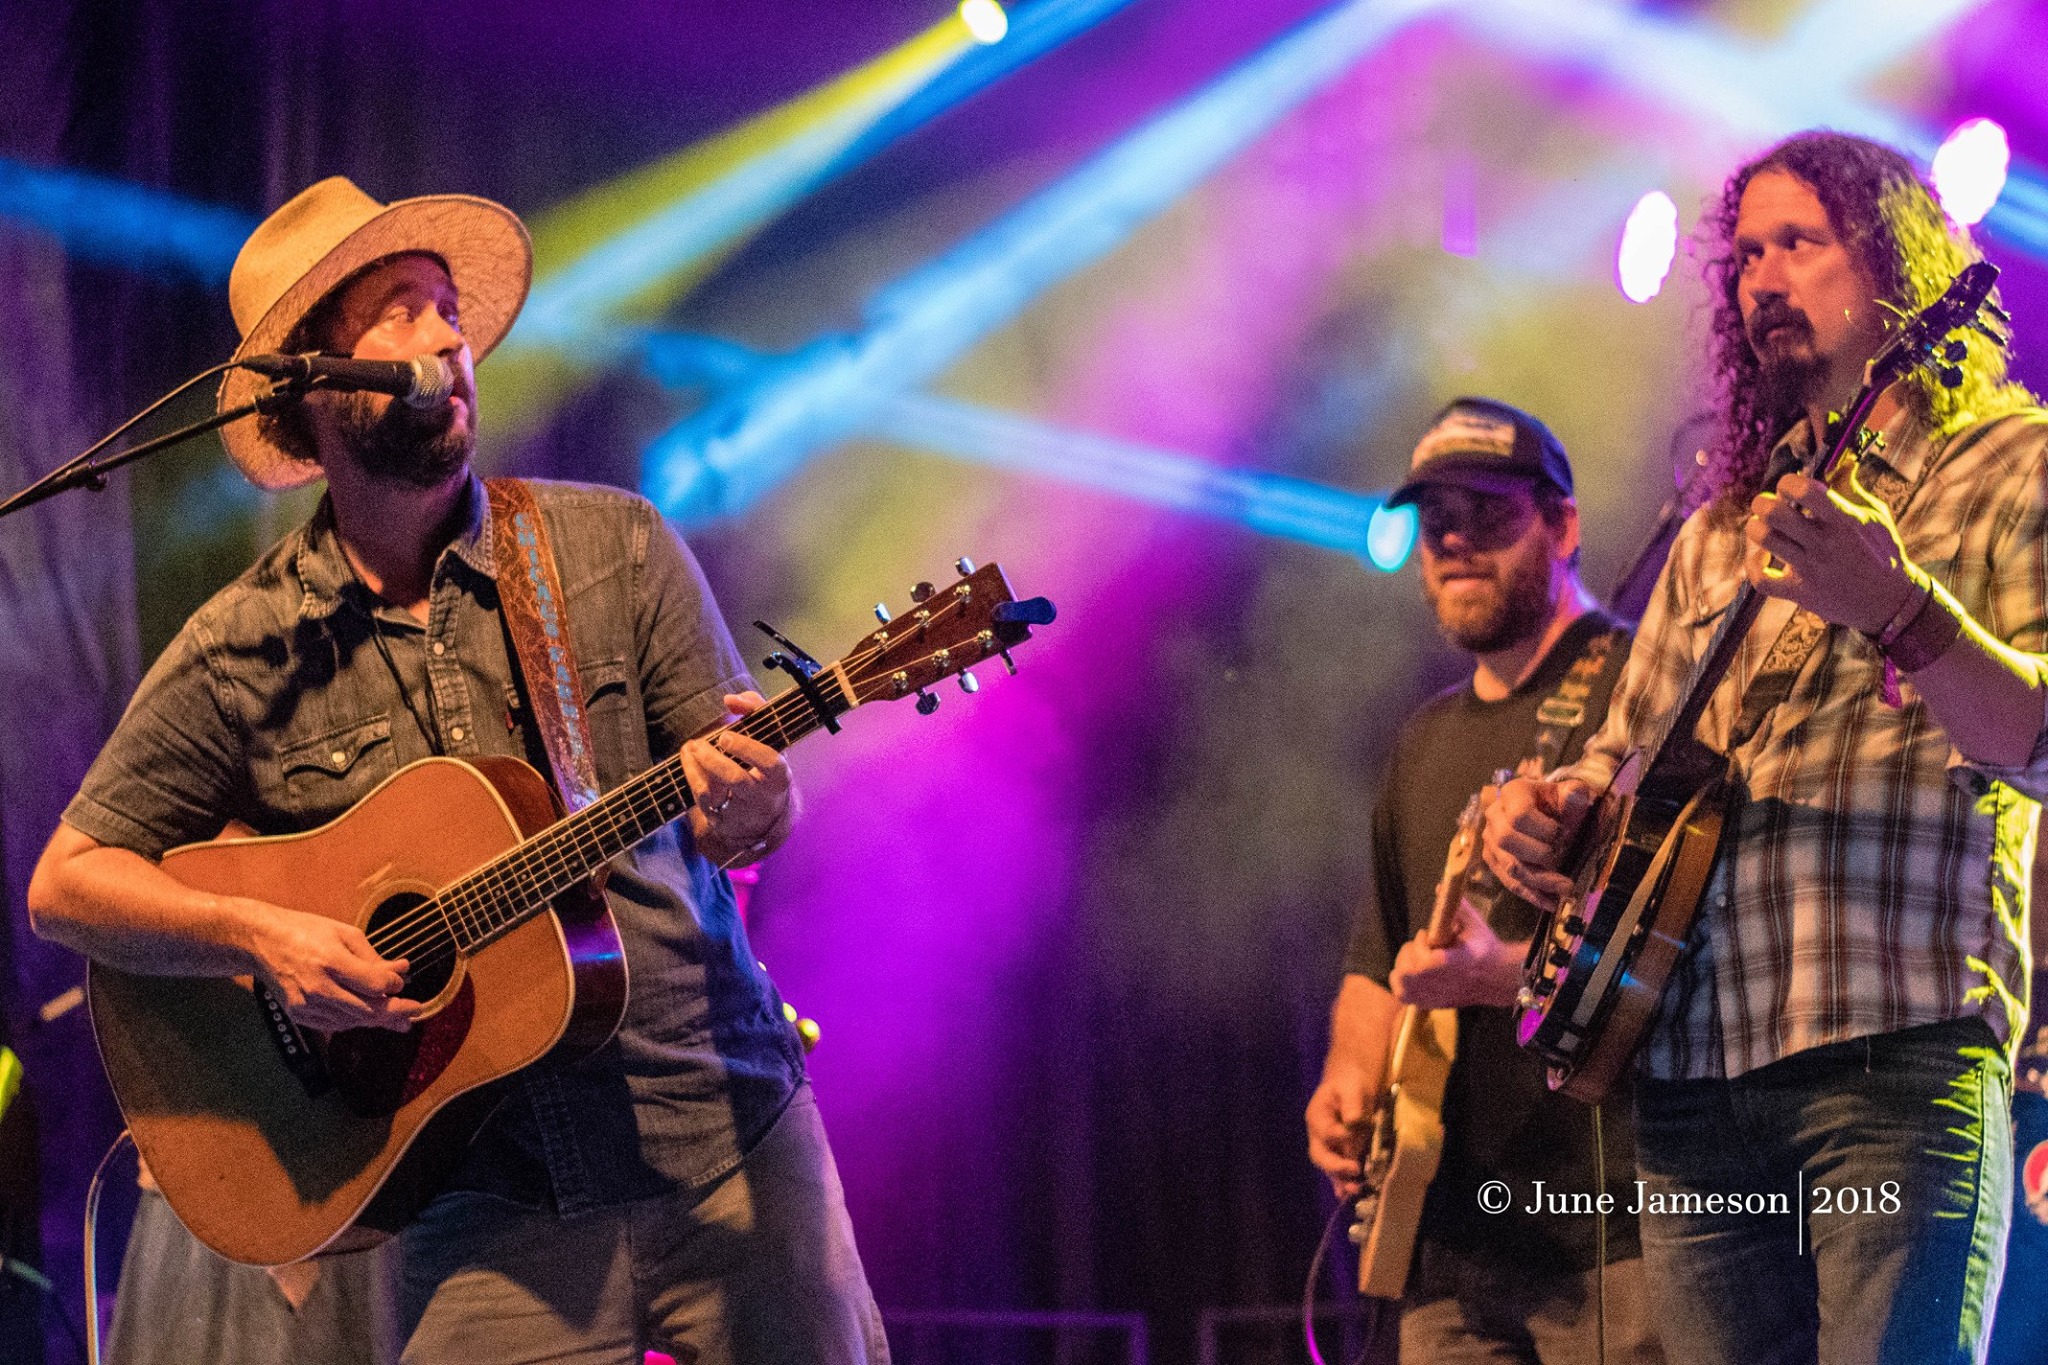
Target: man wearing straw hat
674, 1190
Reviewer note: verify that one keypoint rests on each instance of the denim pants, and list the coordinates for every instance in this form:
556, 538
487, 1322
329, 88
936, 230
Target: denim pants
1463, 1310
1847, 1204
758, 1269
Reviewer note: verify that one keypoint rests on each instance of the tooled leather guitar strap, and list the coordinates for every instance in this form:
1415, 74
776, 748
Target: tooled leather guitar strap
535, 611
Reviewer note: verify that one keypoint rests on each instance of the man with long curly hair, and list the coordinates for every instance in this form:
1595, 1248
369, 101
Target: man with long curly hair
1823, 1143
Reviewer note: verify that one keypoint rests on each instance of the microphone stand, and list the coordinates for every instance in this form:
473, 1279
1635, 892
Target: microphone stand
84, 471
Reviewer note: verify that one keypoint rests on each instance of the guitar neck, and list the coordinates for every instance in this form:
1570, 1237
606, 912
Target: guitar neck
1707, 675
518, 885
1747, 604
1442, 930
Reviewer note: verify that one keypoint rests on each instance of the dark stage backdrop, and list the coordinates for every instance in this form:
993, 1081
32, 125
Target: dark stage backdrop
1072, 941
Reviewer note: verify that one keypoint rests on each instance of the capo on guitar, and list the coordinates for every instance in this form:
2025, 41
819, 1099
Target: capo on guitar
793, 660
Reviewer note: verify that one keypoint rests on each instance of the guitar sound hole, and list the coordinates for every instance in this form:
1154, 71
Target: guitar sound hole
397, 931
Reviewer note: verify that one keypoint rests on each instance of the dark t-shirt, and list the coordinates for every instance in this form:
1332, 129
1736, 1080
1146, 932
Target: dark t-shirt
1501, 1120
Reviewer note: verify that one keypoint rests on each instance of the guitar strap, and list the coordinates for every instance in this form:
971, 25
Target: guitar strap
1558, 719
1796, 640
1564, 711
535, 612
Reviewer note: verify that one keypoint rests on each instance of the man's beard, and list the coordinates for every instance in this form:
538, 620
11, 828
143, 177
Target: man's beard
1789, 374
404, 444
1517, 609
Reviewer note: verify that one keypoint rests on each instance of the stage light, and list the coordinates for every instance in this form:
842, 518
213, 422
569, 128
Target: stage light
985, 20
718, 461
1649, 241
627, 249
1389, 536
1810, 80
1969, 170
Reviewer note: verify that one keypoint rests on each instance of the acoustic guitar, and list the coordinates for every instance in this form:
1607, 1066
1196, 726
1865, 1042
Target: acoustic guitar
274, 1143
1600, 960
1408, 1122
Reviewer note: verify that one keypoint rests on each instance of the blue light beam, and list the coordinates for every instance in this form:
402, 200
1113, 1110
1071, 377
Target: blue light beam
1273, 504
116, 222
721, 459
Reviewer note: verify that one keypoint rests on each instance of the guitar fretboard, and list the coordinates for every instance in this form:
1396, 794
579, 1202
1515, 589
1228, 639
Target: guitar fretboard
519, 884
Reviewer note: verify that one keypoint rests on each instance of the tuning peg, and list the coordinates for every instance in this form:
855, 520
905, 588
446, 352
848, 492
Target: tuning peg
1996, 337
922, 593
882, 612
964, 565
926, 702
1955, 350
1008, 662
1950, 376
969, 683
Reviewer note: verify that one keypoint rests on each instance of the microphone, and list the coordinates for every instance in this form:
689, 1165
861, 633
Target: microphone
422, 382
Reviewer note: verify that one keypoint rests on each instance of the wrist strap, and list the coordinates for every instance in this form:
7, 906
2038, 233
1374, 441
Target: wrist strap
1916, 603
535, 611
1933, 630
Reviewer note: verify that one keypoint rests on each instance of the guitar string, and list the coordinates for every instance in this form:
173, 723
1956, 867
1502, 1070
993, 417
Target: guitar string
507, 889
581, 831
602, 822
477, 892
588, 833
577, 845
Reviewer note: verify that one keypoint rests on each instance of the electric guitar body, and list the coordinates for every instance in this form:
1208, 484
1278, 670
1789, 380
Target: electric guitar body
1407, 1138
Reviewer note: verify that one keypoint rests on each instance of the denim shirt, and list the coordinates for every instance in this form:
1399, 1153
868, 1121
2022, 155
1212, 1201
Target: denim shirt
275, 706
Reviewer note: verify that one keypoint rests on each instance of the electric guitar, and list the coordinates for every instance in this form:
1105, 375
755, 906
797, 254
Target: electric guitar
1408, 1122
1599, 962
274, 1143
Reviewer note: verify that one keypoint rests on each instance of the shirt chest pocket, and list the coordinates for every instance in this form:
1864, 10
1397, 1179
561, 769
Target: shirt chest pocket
323, 776
618, 724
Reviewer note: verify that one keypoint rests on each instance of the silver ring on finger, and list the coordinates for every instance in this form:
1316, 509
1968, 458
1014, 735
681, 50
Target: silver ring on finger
719, 809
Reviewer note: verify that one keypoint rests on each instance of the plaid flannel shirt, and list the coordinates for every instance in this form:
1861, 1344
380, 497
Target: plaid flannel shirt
1871, 878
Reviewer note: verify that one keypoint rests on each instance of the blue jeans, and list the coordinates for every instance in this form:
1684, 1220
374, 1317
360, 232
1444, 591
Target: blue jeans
1863, 1195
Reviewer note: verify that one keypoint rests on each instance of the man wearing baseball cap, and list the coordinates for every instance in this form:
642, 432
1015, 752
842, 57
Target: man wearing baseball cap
1499, 553
673, 1190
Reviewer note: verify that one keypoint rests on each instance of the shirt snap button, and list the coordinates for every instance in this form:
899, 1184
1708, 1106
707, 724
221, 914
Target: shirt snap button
440, 648
456, 734
339, 757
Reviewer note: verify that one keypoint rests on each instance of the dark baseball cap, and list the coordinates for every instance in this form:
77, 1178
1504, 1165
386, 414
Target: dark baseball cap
1477, 441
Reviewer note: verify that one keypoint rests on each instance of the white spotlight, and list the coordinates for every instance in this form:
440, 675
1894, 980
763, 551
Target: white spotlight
985, 20
1389, 536
1969, 170
1649, 240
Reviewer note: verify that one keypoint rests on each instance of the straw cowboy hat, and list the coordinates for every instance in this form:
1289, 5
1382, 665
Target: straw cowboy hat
297, 255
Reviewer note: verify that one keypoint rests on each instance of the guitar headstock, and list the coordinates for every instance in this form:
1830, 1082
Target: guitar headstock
946, 632
1927, 338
